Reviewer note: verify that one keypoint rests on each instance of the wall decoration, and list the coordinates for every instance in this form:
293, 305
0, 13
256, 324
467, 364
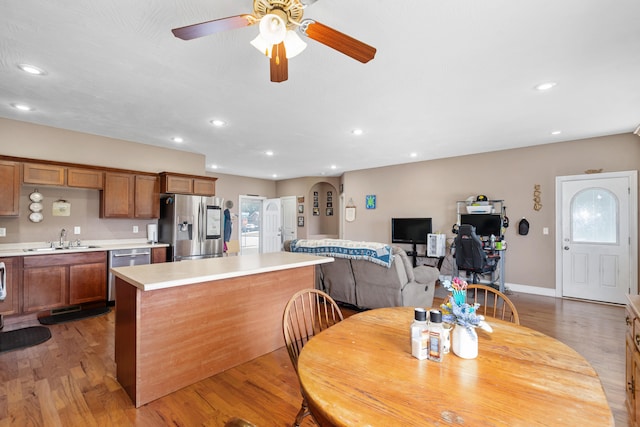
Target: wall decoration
300, 199
300, 221
300, 208
537, 204
315, 204
61, 208
316, 211
329, 211
370, 201
341, 188
329, 204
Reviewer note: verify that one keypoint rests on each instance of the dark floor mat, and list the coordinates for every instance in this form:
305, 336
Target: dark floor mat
22, 338
55, 319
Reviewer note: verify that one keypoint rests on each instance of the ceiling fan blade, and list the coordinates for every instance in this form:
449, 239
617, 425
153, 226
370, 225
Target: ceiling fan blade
279, 63
339, 41
211, 27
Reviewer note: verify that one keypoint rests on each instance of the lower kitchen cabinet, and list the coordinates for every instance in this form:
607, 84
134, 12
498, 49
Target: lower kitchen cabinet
158, 255
53, 281
632, 350
11, 304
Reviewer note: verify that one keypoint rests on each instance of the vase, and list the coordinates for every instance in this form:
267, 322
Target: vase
464, 342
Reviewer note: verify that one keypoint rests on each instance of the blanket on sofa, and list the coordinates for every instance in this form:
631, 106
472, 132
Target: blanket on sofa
378, 253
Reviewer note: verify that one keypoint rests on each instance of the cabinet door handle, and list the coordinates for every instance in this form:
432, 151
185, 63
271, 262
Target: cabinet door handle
631, 387
628, 320
638, 340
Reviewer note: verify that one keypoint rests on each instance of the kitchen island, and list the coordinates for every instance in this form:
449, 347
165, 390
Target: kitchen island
178, 323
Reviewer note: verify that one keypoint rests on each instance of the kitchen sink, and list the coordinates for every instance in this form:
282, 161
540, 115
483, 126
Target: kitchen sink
50, 249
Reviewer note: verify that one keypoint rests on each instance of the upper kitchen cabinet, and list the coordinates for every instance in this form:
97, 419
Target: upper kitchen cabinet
117, 195
130, 196
43, 174
147, 196
187, 184
9, 188
85, 178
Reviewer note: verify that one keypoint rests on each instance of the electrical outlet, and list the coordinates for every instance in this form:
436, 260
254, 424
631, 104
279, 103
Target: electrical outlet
135, 228
3, 232
545, 230
76, 230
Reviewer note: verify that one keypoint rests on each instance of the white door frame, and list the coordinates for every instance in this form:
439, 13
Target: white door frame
633, 224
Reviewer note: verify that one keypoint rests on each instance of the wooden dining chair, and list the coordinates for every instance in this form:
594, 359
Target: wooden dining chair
307, 313
493, 303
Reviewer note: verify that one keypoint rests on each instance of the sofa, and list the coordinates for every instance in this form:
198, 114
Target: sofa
389, 280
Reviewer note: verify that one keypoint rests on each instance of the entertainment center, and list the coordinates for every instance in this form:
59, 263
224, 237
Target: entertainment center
413, 231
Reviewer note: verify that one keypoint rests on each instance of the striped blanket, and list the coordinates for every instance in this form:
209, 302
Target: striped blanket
378, 253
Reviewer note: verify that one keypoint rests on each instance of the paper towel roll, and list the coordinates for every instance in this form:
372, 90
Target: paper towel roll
152, 233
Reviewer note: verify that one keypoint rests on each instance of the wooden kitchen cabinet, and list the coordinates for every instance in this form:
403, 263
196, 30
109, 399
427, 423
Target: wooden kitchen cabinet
85, 178
130, 196
43, 174
9, 188
147, 196
187, 184
632, 370
54, 281
117, 195
158, 255
11, 304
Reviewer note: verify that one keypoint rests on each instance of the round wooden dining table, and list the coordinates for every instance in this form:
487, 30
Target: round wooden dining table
360, 372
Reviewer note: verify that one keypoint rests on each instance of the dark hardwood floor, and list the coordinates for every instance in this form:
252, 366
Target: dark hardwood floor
70, 379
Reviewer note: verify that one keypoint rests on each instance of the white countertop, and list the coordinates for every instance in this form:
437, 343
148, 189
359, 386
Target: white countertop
170, 274
19, 249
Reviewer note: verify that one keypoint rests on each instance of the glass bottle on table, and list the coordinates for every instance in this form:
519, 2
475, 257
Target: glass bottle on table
436, 336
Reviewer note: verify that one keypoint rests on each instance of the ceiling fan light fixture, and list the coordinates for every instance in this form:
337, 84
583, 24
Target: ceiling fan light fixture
273, 28
293, 44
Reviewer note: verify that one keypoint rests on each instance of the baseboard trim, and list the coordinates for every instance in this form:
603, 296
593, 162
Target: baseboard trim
514, 287
535, 290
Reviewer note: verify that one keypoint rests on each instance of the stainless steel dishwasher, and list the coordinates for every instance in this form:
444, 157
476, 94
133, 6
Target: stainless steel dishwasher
125, 258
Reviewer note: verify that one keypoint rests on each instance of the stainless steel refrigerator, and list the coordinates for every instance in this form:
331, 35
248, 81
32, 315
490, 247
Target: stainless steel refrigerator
191, 225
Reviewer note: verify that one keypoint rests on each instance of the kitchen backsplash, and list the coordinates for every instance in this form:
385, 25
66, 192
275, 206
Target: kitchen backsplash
83, 213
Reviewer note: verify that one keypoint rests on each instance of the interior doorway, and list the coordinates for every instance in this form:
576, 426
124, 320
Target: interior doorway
250, 220
597, 236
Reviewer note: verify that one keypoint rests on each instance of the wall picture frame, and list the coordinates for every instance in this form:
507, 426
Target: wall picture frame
300, 221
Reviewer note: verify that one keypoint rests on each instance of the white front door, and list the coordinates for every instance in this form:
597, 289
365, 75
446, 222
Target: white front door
271, 226
597, 236
289, 218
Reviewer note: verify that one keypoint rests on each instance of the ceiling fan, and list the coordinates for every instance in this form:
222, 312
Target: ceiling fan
280, 21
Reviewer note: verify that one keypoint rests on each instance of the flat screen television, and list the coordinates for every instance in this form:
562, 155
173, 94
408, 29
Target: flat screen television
485, 224
410, 230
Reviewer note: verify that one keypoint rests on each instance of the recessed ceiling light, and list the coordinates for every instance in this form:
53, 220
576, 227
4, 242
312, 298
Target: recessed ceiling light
545, 86
357, 131
275, 175
334, 167
556, 132
214, 166
177, 139
22, 107
32, 69
269, 153
218, 122
413, 155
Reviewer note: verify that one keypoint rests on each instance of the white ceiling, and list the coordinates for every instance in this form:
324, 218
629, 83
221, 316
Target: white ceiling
449, 78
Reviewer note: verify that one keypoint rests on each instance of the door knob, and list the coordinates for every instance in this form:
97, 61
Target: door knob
566, 248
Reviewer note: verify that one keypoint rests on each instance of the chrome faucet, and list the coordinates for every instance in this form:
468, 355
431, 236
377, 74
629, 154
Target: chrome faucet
63, 234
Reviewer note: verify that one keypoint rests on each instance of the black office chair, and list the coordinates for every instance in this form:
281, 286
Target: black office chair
470, 255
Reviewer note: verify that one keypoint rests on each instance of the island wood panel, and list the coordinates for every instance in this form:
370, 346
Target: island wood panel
187, 333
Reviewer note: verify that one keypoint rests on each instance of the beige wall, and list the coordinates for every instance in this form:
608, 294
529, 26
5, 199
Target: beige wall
428, 188
20, 139
314, 226
432, 188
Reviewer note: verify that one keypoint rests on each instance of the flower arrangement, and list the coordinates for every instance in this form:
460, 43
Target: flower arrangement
457, 311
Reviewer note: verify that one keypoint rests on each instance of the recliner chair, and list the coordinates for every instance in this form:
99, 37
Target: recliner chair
470, 255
